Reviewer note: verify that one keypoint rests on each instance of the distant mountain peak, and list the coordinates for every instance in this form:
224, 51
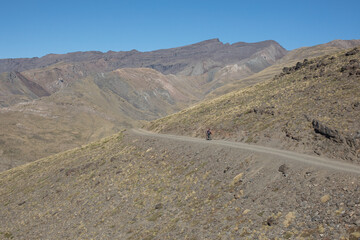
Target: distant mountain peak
212, 40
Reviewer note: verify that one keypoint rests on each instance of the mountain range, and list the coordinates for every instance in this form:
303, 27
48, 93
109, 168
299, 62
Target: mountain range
283, 162
61, 101
193, 59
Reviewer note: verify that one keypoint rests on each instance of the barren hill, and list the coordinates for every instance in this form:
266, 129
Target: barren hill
80, 98
312, 107
28, 79
136, 185
57, 102
86, 110
236, 81
132, 186
209, 54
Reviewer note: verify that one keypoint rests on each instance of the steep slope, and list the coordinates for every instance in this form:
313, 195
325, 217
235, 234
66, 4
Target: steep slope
16, 88
318, 50
312, 107
141, 187
237, 81
86, 110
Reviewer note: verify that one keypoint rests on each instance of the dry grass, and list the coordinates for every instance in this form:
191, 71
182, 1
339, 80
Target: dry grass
325, 88
126, 187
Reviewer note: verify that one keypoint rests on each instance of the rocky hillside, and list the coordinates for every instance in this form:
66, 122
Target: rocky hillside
138, 187
312, 107
80, 98
236, 81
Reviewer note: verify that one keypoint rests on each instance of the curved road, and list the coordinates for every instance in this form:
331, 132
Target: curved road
321, 162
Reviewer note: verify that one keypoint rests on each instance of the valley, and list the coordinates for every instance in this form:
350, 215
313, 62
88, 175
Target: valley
112, 145
59, 102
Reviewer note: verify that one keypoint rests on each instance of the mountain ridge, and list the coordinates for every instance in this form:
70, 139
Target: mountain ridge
88, 101
135, 58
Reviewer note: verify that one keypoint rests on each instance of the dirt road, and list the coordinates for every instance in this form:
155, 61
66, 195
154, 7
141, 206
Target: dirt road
288, 155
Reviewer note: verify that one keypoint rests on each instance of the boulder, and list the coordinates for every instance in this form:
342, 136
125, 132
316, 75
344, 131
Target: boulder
352, 52
284, 169
325, 130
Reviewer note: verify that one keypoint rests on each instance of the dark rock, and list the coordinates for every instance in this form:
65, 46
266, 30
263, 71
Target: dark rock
159, 206
356, 105
343, 68
352, 61
291, 136
325, 130
284, 169
357, 136
270, 221
298, 65
286, 70
352, 52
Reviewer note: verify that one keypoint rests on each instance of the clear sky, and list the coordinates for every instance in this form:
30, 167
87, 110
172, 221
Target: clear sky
34, 28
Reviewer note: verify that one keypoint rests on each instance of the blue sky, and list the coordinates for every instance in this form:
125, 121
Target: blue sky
34, 28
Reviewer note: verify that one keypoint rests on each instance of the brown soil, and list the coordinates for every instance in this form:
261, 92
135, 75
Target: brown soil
138, 185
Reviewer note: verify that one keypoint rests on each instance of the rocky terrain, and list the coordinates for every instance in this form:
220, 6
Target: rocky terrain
290, 59
58, 102
136, 186
63, 101
312, 107
142, 185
